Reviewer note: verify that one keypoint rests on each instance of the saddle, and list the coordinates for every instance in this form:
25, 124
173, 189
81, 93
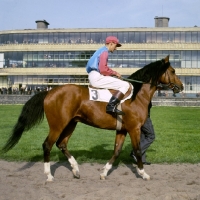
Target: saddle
112, 91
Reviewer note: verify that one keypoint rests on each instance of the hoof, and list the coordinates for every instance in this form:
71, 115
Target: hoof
76, 174
102, 177
146, 177
50, 179
143, 174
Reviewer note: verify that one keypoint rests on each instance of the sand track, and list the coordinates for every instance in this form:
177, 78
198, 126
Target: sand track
23, 181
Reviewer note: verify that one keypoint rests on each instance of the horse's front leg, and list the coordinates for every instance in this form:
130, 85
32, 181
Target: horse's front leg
119, 141
135, 140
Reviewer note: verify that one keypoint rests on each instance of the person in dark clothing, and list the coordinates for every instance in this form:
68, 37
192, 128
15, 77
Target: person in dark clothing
146, 138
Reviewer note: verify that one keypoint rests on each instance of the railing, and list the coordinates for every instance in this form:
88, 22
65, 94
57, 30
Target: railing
23, 97
52, 82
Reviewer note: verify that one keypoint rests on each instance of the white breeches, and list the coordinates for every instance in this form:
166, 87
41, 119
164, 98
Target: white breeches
100, 81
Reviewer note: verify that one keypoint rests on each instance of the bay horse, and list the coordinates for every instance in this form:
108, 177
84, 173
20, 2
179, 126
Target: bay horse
66, 105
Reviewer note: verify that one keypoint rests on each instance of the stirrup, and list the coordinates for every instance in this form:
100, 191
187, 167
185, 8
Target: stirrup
119, 112
115, 111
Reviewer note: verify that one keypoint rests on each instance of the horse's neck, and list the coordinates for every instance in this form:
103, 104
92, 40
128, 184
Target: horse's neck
146, 92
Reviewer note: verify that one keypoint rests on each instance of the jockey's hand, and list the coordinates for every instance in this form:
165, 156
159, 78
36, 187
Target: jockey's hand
118, 75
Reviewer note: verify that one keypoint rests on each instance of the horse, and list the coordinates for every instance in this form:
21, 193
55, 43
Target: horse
66, 105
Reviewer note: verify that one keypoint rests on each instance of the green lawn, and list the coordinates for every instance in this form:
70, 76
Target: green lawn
177, 139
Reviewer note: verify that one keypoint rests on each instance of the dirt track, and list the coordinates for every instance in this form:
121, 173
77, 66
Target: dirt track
23, 181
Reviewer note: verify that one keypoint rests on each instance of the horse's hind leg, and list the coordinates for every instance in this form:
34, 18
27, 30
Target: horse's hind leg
47, 146
62, 145
119, 141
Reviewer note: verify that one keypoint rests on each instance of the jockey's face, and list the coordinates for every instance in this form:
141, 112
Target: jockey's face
112, 47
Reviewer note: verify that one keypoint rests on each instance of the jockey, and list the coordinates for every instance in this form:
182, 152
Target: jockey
100, 75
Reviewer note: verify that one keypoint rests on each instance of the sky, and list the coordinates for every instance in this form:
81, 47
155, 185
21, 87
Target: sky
22, 14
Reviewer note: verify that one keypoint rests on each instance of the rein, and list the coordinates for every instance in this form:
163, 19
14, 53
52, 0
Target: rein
160, 85
132, 80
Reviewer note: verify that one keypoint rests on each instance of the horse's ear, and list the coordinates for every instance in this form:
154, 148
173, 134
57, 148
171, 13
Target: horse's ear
166, 59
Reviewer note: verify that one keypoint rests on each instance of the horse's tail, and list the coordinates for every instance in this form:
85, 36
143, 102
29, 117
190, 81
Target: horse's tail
32, 114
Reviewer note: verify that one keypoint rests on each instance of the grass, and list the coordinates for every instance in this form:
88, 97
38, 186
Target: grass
177, 139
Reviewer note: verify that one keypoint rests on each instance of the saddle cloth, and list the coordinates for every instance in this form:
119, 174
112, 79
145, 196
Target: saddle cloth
97, 94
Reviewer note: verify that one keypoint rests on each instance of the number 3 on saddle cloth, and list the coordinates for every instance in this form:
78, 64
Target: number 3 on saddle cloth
104, 95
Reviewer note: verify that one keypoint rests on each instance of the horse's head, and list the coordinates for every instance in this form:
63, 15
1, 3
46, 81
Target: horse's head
158, 74
169, 79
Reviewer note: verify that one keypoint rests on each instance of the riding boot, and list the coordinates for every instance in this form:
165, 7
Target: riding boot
111, 108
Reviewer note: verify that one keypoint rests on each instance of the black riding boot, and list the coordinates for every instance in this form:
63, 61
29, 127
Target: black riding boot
111, 108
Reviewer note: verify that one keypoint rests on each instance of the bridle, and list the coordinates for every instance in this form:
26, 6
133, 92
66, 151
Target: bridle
174, 87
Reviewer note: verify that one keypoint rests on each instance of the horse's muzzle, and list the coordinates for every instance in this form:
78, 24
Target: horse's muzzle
177, 89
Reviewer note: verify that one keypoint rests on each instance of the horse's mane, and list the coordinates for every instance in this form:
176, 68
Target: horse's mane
150, 72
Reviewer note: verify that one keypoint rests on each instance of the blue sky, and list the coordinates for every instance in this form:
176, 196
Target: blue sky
22, 14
